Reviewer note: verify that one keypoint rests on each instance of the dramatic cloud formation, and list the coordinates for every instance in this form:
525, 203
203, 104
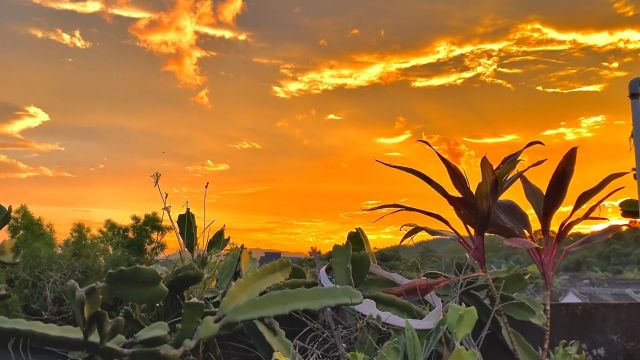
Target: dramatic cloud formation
11, 129
539, 49
173, 34
454, 150
12, 168
492, 140
202, 98
587, 125
623, 7
207, 167
246, 144
396, 139
73, 40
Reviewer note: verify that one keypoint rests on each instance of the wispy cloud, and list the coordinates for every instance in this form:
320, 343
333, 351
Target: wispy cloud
492, 140
12, 168
623, 7
246, 144
12, 128
585, 128
453, 150
585, 88
454, 62
207, 166
73, 40
395, 139
334, 117
202, 98
173, 34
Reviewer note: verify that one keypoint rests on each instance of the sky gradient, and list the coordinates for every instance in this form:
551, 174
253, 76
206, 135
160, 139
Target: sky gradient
283, 106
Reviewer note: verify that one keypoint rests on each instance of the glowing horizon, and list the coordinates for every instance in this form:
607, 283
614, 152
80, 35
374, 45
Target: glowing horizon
282, 107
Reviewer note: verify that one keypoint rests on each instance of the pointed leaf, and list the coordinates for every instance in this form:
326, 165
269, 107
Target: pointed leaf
509, 220
557, 188
595, 237
412, 343
252, 284
534, 195
520, 243
341, 264
584, 198
422, 176
218, 241
461, 353
272, 333
416, 229
285, 301
188, 230
458, 179
401, 208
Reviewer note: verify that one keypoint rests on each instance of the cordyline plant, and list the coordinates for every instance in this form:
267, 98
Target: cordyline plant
481, 211
545, 248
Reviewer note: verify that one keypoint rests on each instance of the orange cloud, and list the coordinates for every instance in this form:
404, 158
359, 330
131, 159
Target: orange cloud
12, 168
396, 139
623, 7
587, 125
492, 140
228, 11
202, 98
246, 144
596, 87
73, 40
334, 117
207, 167
453, 62
11, 129
454, 150
172, 34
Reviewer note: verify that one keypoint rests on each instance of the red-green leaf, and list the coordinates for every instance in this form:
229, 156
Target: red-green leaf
458, 179
594, 238
509, 220
557, 188
416, 229
565, 229
534, 195
516, 155
589, 194
520, 243
422, 176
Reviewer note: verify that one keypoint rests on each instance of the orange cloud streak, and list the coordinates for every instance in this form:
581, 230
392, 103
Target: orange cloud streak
73, 40
11, 130
479, 60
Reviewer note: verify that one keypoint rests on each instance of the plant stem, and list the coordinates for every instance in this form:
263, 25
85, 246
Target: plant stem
502, 316
547, 328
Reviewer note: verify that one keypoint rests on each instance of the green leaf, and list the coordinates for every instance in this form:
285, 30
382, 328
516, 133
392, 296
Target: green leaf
188, 230
461, 320
153, 335
218, 241
393, 349
525, 349
341, 264
360, 242
461, 353
192, 312
255, 283
228, 268
183, 278
517, 308
396, 305
139, 284
208, 328
163, 352
271, 331
360, 263
285, 301
297, 272
412, 343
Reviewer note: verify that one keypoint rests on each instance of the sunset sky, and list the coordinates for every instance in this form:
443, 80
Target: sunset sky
283, 106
